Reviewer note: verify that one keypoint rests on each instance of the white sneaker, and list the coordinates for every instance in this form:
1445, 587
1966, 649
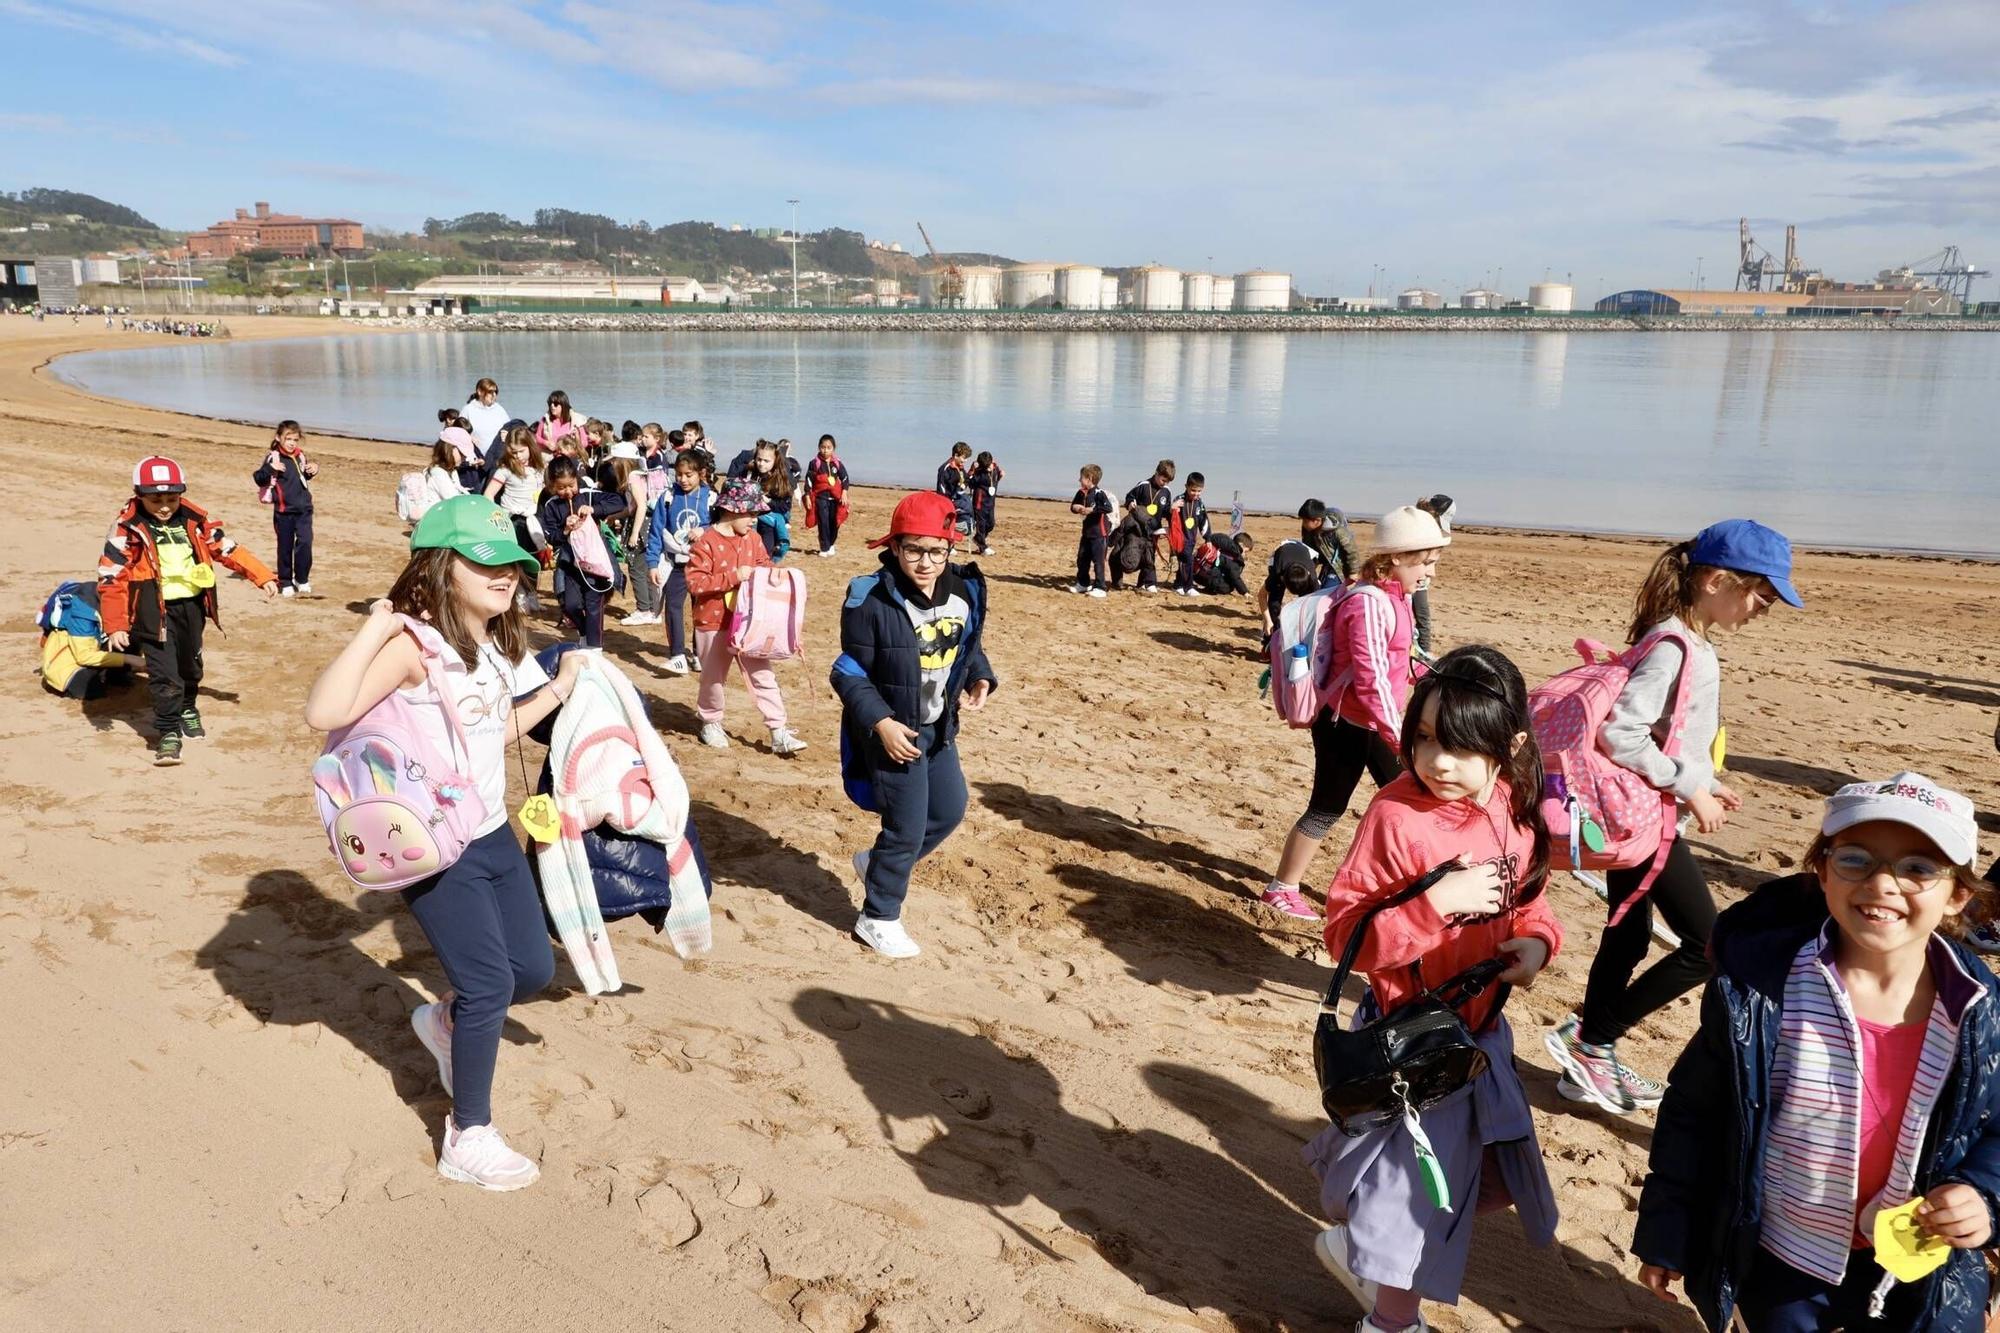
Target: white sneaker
986, 550
1078, 588
1368, 1325
831, 550
428, 1020
1196, 592
1098, 592
713, 735
1331, 1248
1180, 592
640, 618
288, 591
305, 589
1152, 591
677, 665
887, 938
479, 1156
784, 742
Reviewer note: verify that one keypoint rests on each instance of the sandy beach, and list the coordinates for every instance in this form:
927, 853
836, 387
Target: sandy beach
1081, 1108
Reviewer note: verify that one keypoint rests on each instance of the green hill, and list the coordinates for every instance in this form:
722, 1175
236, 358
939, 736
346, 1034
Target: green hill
66, 222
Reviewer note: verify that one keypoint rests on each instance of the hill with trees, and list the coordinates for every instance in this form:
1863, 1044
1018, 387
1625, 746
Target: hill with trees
68, 222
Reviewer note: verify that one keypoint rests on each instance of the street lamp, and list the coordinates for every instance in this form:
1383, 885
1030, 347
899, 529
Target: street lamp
795, 252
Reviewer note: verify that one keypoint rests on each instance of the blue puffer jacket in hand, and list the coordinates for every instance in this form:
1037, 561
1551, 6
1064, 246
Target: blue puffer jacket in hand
877, 674
1700, 1212
630, 872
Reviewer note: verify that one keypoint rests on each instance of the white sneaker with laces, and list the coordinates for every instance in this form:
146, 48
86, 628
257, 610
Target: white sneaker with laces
677, 665
288, 591
479, 1156
305, 589
714, 736
831, 550
1078, 588
640, 618
428, 1020
783, 741
887, 938
1098, 592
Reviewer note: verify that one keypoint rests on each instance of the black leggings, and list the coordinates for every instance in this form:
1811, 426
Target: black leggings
1340, 751
1612, 1001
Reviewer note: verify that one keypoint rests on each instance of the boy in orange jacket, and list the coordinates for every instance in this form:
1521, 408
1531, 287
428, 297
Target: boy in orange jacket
156, 585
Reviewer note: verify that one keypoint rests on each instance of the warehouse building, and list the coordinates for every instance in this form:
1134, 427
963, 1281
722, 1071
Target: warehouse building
1827, 299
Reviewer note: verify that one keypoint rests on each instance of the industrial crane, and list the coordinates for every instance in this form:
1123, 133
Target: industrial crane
950, 283
1951, 272
1756, 265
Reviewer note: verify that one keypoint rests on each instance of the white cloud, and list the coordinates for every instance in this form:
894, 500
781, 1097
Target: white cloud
130, 35
945, 90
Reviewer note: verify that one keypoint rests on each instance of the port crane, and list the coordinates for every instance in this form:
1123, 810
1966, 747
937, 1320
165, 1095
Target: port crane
1757, 266
1949, 272
950, 283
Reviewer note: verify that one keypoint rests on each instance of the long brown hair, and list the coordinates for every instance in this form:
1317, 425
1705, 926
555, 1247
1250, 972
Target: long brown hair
1670, 589
446, 455
424, 590
524, 436
1482, 707
777, 483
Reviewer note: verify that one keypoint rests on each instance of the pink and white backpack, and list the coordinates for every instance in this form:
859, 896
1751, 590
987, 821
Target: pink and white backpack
413, 495
1601, 815
768, 617
396, 811
1305, 673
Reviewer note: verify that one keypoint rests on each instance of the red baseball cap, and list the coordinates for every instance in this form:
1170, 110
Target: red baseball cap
922, 514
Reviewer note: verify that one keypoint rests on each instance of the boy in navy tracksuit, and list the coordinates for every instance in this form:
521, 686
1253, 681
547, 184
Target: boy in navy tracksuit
1191, 517
1093, 546
1149, 504
984, 483
286, 470
955, 486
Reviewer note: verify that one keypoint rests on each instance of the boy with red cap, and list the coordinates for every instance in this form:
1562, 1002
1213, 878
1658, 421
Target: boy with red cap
156, 584
910, 656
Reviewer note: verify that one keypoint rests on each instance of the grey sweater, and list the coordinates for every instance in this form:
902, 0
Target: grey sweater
1637, 728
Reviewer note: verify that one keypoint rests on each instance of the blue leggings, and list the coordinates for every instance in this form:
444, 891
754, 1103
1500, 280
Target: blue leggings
921, 803
484, 921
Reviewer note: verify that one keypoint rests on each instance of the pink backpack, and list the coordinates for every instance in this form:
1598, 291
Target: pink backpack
395, 810
768, 618
593, 557
1601, 816
1305, 673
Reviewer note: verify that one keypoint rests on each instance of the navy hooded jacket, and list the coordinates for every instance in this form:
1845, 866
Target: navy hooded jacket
1702, 1206
877, 674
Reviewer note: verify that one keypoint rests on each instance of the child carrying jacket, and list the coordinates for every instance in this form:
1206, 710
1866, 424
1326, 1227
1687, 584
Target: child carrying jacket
156, 585
286, 470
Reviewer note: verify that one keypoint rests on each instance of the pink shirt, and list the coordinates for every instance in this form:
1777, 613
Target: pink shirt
1889, 1054
1372, 632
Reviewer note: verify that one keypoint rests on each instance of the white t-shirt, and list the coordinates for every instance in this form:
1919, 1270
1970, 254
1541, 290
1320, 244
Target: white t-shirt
486, 421
484, 699
517, 494
442, 483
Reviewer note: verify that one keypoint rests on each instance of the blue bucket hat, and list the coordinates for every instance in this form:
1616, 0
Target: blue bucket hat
1748, 547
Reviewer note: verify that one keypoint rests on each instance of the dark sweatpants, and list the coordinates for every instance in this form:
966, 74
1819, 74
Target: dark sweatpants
983, 517
921, 803
483, 918
295, 546
173, 666
826, 518
676, 594
1091, 562
584, 606
1612, 1001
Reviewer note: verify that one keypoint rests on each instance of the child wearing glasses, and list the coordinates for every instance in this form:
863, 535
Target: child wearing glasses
1726, 577
910, 658
1847, 1062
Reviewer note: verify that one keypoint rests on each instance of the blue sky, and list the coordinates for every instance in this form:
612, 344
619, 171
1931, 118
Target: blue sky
1448, 143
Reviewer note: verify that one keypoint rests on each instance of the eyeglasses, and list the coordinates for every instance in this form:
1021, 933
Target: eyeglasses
925, 555
1915, 873
1763, 597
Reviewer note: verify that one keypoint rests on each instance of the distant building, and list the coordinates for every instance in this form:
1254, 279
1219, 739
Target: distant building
287, 233
1418, 298
1827, 298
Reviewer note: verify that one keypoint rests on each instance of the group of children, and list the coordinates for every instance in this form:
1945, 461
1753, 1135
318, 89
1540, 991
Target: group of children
1119, 540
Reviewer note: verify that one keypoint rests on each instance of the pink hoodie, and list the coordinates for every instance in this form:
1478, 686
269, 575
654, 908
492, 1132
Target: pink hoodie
1372, 628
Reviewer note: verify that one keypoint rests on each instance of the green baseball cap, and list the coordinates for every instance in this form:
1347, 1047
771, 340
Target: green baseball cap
476, 528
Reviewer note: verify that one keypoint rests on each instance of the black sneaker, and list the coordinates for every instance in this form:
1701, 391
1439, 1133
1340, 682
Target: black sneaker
191, 725
167, 750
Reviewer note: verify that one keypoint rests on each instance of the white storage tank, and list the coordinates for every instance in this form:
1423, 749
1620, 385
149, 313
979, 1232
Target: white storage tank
1555, 297
1079, 287
1156, 288
888, 291
1029, 287
1418, 298
1479, 298
927, 286
1197, 291
982, 286
1222, 296
1261, 289
1107, 292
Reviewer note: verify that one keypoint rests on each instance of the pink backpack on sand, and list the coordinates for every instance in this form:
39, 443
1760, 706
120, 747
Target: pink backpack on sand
768, 617
395, 810
1602, 816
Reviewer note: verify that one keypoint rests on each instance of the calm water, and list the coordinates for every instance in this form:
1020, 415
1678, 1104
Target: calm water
1844, 439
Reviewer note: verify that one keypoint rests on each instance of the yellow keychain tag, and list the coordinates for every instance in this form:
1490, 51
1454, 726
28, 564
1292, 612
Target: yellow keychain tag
538, 817
1902, 1248
1718, 749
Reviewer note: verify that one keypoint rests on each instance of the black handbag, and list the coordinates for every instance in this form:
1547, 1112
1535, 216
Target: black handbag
1404, 1061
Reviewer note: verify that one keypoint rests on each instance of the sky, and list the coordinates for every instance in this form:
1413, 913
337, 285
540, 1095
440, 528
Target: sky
1445, 144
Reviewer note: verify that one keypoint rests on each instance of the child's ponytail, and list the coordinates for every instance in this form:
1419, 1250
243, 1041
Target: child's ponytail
1667, 591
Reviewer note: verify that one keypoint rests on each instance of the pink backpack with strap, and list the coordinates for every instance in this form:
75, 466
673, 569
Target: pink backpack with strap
593, 557
768, 618
1302, 666
396, 811
1602, 816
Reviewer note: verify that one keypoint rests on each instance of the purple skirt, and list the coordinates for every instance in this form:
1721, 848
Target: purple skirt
1395, 1235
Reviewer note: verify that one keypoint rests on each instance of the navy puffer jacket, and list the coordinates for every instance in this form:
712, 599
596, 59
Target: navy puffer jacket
1700, 1212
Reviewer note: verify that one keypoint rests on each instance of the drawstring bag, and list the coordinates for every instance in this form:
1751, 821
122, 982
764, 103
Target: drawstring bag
1405, 1061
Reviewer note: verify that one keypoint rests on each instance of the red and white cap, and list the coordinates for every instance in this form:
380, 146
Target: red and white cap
1940, 814
158, 476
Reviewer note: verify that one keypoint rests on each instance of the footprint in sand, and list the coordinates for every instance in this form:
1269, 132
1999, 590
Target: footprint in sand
837, 1015
666, 1218
738, 1190
323, 1190
972, 1103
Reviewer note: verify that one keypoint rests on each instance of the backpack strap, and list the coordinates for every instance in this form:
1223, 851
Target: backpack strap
429, 649
1331, 1004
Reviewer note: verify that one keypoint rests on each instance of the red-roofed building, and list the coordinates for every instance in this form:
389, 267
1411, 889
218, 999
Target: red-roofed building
287, 233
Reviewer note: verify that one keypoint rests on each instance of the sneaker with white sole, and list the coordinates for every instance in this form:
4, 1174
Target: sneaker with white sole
479, 1156
1098, 592
831, 550
640, 618
677, 665
887, 938
1288, 899
714, 736
1078, 588
428, 1020
784, 741
986, 550
1368, 1325
1150, 591
288, 591
1331, 1248
1592, 1072
1646, 1095
305, 589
